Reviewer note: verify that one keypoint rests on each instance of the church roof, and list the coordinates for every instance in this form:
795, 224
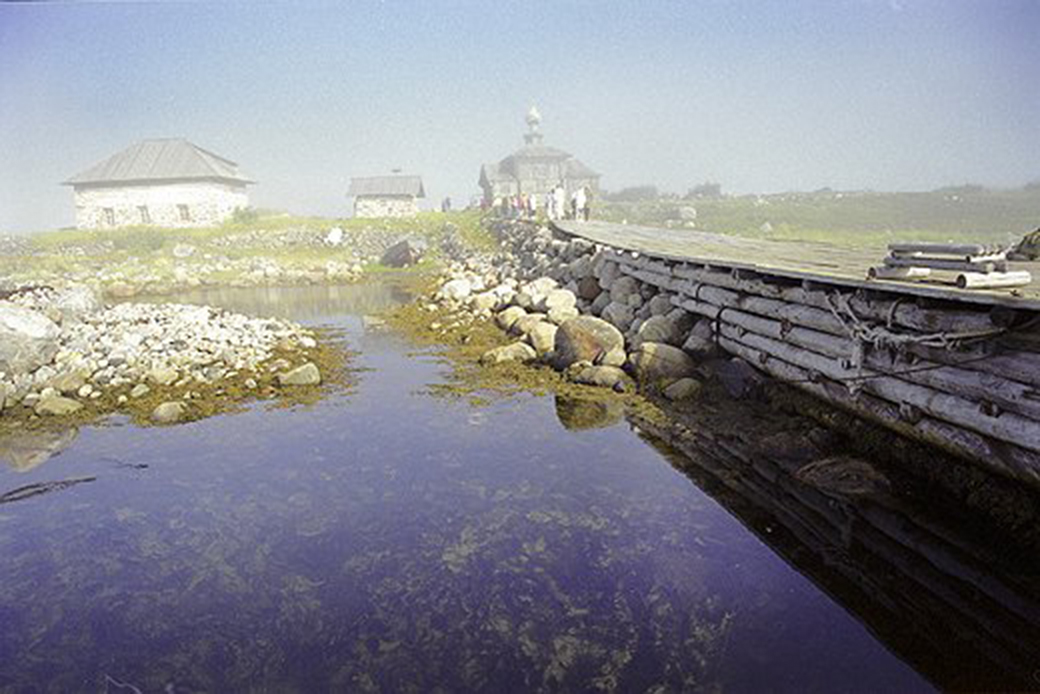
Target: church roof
160, 160
380, 186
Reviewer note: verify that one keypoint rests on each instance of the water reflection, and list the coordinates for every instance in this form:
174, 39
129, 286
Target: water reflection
576, 414
25, 450
958, 604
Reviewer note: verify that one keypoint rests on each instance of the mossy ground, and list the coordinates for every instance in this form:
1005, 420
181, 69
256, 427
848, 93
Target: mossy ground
208, 399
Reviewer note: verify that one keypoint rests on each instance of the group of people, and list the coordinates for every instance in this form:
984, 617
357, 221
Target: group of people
555, 202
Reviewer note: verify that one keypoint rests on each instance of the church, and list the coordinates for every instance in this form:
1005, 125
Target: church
535, 168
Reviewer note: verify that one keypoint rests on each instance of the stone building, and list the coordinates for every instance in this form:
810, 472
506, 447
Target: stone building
535, 168
165, 183
386, 196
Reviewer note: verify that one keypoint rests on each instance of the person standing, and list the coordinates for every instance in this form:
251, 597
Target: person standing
578, 204
560, 196
586, 208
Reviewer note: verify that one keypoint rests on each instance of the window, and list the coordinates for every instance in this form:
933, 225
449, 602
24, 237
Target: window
110, 216
184, 212
145, 217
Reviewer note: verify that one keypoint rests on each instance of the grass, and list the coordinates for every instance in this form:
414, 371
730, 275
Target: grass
856, 219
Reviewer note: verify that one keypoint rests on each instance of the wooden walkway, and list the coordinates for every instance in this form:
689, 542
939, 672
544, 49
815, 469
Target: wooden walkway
820, 262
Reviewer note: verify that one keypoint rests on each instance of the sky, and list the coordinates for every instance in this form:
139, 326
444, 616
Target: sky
757, 96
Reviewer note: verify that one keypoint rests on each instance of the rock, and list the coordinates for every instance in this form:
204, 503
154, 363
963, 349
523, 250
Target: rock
700, 342
404, 253
68, 383
526, 324
739, 378
508, 317
623, 287
334, 237
57, 405
600, 303
661, 305
162, 376
655, 362
562, 314
590, 339
517, 351
588, 288
683, 389
455, 290
485, 301
559, 298
28, 339
139, 391
169, 412
183, 250
618, 315
75, 302
688, 214
543, 338
306, 375
577, 414
600, 376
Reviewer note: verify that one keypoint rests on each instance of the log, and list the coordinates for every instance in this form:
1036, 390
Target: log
979, 387
898, 273
943, 264
1008, 460
901, 312
975, 280
943, 248
1008, 427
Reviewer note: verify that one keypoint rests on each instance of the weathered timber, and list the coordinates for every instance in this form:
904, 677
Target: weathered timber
991, 391
1006, 459
881, 307
965, 249
1008, 427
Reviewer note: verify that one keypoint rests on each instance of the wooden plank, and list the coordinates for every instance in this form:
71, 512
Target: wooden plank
943, 264
942, 248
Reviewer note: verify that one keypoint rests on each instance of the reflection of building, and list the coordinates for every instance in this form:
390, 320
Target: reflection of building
168, 183
386, 196
535, 168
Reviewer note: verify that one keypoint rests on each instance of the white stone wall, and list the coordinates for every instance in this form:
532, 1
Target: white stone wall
208, 203
390, 206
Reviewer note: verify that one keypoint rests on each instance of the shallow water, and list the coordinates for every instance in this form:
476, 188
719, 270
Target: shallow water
387, 540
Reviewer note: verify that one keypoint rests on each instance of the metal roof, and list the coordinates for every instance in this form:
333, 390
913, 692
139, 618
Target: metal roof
160, 160
386, 185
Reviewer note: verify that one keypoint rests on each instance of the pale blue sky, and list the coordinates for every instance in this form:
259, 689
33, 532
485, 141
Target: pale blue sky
760, 96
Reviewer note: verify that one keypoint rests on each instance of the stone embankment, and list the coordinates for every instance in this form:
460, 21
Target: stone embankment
568, 305
63, 353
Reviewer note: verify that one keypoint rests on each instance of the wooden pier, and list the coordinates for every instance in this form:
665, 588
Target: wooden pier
956, 368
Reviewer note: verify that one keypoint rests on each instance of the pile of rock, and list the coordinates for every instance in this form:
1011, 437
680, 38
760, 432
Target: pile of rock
568, 305
61, 348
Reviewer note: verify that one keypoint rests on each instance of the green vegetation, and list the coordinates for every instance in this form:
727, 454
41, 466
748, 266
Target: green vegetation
963, 213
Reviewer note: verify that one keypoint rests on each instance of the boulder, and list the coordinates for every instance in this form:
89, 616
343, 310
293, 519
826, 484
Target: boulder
139, 391
623, 287
75, 302
526, 324
590, 339
505, 319
661, 305
68, 383
588, 288
334, 237
683, 389
485, 301
169, 412
306, 375
618, 315
700, 342
739, 378
600, 376
543, 338
404, 253
162, 376
28, 339
559, 298
455, 290
601, 301
669, 329
655, 362
57, 405
517, 351
562, 314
